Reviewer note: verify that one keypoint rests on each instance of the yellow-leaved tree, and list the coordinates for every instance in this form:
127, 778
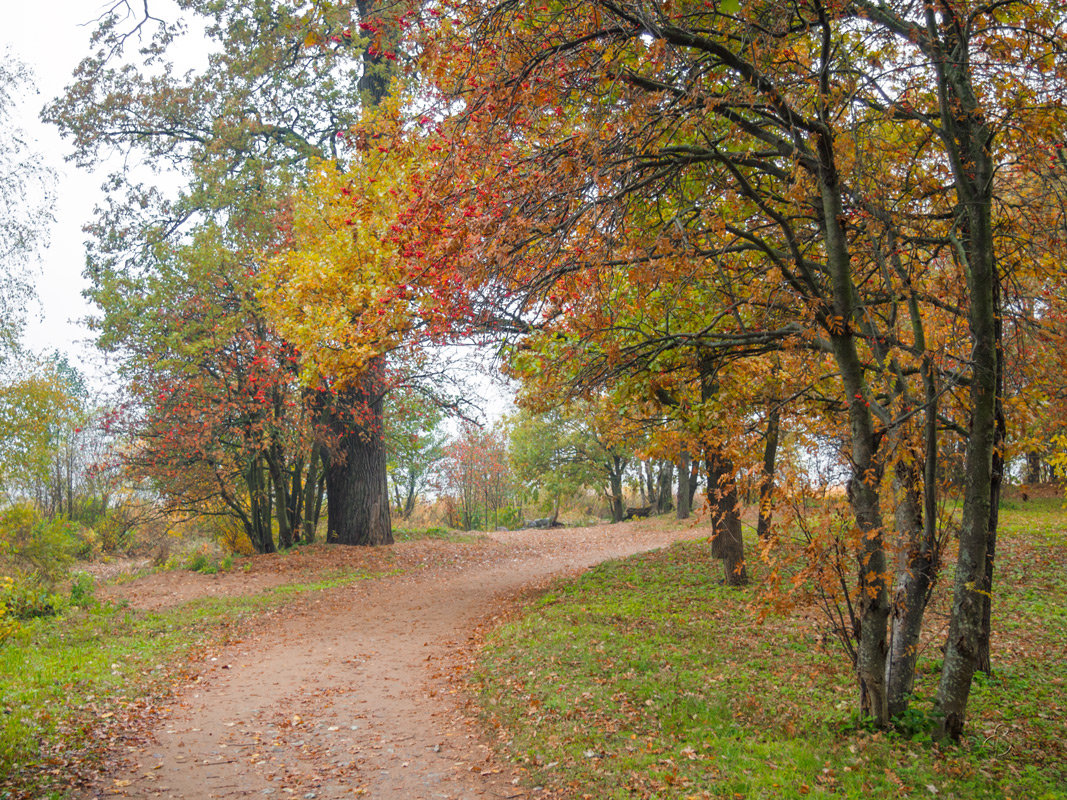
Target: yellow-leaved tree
342, 291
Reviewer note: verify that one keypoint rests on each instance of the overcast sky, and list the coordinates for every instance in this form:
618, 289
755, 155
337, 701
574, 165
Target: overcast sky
51, 37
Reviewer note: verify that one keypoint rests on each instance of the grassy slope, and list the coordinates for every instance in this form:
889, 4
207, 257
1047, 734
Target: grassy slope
645, 678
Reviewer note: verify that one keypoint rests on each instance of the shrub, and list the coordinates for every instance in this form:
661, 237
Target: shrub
82, 590
115, 529
35, 548
206, 558
30, 599
8, 624
509, 517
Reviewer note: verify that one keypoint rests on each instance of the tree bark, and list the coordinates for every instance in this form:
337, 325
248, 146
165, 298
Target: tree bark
282, 504
357, 491
409, 500
985, 632
664, 501
916, 572
312, 494
684, 496
727, 542
1033, 468
766, 487
258, 520
968, 141
615, 467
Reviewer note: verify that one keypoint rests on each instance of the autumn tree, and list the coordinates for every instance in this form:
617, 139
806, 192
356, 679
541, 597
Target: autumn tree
38, 411
477, 475
280, 87
823, 177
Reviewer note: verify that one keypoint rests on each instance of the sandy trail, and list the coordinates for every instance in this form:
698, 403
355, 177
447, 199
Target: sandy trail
348, 692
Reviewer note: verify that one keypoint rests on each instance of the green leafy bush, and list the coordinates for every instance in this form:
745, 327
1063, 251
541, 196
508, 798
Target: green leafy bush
35, 549
115, 528
509, 517
8, 624
206, 558
30, 599
82, 590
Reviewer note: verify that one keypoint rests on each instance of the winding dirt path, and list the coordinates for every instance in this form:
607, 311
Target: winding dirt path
348, 692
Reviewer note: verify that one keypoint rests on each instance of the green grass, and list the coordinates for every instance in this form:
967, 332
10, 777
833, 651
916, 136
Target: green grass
646, 679
68, 684
437, 534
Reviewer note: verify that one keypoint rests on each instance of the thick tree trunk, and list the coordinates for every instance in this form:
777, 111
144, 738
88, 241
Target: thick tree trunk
726, 539
684, 496
357, 491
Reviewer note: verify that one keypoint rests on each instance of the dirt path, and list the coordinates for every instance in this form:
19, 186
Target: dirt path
348, 694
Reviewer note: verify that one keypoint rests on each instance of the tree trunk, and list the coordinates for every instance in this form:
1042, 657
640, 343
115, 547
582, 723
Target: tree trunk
694, 480
726, 540
969, 147
916, 572
409, 501
871, 614
664, 501
646, 484
684, 496
258, 522
357, 491
357, 485
1033, 468
312, 494
985, 659
282, 504
615, 467
766, 486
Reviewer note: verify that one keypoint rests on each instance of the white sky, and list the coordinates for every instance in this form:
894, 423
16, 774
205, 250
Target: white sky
51, 37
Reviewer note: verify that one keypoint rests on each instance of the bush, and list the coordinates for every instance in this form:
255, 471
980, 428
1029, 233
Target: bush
115, 529
509, 517
82, 590
8, 624
34, 549
30, 599
206, 558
